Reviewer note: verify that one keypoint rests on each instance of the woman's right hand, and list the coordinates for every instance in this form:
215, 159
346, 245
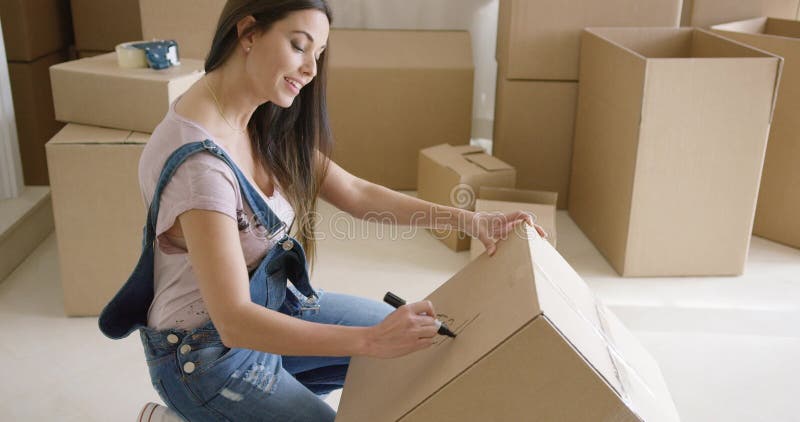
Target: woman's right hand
407, 329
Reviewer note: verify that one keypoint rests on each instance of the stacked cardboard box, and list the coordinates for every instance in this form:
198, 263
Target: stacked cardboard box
533, 344
704, 13
779, 196
537, 56
392, 93
37, 34
670, 138
189, 22
101, 24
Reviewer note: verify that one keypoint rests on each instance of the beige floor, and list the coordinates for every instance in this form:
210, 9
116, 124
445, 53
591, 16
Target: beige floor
728, 347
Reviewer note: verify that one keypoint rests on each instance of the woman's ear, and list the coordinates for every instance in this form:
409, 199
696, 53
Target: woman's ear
242, 27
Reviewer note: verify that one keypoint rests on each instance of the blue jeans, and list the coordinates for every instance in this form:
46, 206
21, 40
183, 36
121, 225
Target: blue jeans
202, 380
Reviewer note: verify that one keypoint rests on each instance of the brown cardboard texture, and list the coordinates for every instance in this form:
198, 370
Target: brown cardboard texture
96, 91
539, 39
541, 204
392, 93
33, 109
452, 175
669, 145
34, 28
533, 129
533, 344
83, 54
779, 196
98, 212
704, 13
102, 24
189, 22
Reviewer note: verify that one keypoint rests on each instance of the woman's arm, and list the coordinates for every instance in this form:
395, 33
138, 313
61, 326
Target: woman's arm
216, 256
366, 200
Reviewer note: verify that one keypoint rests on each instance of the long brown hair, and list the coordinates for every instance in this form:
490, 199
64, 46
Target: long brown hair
284, 139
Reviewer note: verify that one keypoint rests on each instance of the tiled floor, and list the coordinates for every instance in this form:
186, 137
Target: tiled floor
729, 348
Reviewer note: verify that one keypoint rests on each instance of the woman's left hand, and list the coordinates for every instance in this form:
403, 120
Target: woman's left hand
489, 227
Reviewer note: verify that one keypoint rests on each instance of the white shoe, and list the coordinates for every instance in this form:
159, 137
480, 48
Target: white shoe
154, 412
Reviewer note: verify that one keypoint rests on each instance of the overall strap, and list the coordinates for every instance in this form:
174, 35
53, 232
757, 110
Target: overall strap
261, 210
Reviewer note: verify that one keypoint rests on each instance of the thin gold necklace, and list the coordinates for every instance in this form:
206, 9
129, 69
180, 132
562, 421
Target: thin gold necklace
219, 109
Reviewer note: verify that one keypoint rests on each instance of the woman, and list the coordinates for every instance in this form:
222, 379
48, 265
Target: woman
225, 336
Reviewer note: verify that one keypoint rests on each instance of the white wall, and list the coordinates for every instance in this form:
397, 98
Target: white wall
11, 183
479, 17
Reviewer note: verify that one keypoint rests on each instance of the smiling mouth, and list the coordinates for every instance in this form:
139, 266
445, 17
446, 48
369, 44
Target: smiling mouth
293, 83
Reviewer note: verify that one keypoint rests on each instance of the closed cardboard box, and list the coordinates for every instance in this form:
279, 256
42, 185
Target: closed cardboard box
33, 108
98, 212
102, 24
533, 128
96, 91
452, 175
779, 197
670, 137
392, 93
34, 28
704, 13
533, 344
189, 22
539, 39
504, 200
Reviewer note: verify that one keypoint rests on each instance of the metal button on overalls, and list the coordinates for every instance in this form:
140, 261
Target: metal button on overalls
173, 339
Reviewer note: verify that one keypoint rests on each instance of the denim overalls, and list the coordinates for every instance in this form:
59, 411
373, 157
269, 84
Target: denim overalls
195, 373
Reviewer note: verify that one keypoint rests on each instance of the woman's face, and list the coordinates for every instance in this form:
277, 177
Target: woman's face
283, 60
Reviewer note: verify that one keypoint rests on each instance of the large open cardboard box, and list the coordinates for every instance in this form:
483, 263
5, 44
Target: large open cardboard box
533, 344
704, 13
96, 91
533, 128
452, 176
98, 212
779, 197
670, 136
539, 39
392, 93
189, 22
502, 200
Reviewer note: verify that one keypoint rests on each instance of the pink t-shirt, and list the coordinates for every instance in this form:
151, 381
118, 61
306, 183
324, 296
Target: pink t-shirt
203, 182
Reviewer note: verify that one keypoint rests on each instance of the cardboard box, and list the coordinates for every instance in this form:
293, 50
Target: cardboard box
539, 39
533, 128
90, 53
96, 91
392, 93
189, 22
533, 344
779, 196
670, 137
704, 13
451, 175
98, 212
102, 24
541, 204
35, 117
34, 28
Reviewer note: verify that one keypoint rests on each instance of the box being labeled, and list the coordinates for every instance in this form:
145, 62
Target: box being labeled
96, 91
539, 39
670, 136
189, 22
533, 344
704, 13
533, 129
503, 200
392, 93
98, 211
33, 108
451, 175
779, 196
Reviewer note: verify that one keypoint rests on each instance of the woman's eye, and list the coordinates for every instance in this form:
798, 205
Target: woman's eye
297, 47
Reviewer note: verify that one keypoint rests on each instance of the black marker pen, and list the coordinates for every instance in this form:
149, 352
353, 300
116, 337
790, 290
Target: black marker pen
397, 302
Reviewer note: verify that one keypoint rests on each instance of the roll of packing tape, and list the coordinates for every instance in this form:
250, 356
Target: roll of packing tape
129, 56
